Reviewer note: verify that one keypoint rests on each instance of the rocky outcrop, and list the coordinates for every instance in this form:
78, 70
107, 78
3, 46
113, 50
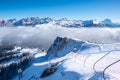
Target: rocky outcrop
50, 70
63, 46
5, 23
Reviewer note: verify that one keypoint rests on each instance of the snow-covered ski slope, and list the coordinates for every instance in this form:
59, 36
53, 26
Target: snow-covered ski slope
78, 60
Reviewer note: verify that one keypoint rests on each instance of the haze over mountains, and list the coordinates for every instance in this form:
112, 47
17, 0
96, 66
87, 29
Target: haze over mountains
49, 49
64, 22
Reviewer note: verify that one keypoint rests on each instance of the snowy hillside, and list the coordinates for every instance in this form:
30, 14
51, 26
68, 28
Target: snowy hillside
13, 58
64, 22
71, 59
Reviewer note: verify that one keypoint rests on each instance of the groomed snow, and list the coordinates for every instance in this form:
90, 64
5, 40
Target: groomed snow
79, 65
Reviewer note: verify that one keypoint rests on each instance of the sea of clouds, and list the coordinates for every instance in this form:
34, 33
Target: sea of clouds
43, 36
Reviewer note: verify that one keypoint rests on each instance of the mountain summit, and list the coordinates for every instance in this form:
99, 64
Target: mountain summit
64, 22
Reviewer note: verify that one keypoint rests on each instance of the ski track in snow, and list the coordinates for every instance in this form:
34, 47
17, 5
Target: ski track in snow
91, 65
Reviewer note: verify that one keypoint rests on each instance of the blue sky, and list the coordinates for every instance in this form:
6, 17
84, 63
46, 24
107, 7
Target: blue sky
72, 9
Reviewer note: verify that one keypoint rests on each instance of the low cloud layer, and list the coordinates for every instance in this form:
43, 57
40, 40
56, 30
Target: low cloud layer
43, 37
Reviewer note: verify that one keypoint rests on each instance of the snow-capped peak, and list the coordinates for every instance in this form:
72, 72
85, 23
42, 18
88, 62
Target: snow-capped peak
107, 21
64, 22
75, 60
62, 46
96, 21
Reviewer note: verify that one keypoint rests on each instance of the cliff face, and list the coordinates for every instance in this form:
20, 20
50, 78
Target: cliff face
5, 23
57, 46
63, 46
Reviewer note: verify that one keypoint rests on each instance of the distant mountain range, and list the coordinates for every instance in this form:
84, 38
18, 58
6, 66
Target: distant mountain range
64, 22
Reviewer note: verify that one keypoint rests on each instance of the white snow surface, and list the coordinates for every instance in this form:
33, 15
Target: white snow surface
78, 65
